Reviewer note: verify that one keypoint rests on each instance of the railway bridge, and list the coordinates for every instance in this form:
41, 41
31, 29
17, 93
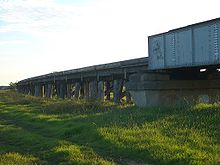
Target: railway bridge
90, 83
183, 67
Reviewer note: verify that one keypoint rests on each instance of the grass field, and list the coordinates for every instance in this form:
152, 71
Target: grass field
40, 131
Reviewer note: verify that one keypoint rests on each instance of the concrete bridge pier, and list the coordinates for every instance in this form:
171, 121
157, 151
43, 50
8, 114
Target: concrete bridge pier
81, 91
107, 90
86, 90
23, 89
48, 90
101, 92
57, 89
152, 89
77, 90
26, 90
93, 89
69, 90
118, 86
32, 90
43, 90
37, 90
62, 90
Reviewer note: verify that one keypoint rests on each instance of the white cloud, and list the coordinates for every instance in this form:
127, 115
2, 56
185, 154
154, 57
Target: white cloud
36, 16
13, 42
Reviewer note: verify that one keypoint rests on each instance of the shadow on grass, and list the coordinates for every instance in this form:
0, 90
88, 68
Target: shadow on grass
81, 131
125, 136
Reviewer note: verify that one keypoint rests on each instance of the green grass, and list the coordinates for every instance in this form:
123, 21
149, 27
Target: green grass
40, 131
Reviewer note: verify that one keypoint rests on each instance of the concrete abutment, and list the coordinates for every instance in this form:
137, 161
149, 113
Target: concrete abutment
152, 89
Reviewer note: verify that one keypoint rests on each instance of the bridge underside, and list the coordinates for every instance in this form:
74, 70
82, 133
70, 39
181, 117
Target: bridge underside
101, 82
88, 90
129, 80
176, 87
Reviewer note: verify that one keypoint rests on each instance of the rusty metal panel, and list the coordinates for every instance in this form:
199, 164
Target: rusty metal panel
156, 51
190, 46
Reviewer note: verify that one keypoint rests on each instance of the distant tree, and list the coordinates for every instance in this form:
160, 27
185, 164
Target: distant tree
13, 85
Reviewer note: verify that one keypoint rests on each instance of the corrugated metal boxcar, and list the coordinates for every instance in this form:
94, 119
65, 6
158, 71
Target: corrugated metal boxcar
190, 46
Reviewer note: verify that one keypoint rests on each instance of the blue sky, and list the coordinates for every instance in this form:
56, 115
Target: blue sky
42, 36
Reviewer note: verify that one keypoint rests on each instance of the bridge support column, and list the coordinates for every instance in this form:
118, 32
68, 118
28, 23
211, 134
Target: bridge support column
77, 90
37, 90
69, 90
62, 90
43, 90
32, 90
101, 92
118, 85
107, 90
81, 91
93, 90
23, 89
86, 90
26, 89
57, 89
48, 90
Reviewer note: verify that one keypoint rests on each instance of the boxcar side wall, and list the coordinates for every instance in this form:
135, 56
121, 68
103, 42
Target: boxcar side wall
191, 46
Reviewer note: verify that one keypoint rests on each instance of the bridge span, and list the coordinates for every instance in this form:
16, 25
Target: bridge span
90, 83
184, 67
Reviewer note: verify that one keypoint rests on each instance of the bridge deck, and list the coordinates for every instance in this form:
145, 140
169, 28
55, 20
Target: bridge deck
103, 71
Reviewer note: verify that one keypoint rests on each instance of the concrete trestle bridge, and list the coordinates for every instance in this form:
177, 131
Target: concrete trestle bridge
171, 75
91, 83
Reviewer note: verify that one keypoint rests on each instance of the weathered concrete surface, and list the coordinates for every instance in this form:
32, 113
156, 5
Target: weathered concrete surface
108, 90
105, 73
118, 85
49, 90
61, 90
37, 90
101, 92
69, 90
77, 90
93, 90
32, 90
86, 90
148, 93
